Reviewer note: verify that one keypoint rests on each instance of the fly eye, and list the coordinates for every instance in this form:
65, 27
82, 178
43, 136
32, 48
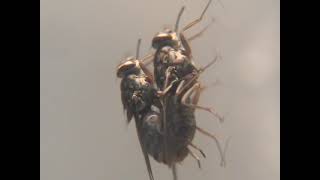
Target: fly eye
123, 68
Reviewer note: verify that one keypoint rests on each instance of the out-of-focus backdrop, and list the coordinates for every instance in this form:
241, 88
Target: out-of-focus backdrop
83, 131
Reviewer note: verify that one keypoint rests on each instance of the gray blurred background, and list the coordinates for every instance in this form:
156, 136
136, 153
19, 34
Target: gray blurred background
83, 131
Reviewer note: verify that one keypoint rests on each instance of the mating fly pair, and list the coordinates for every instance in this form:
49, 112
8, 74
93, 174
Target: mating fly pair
163, 103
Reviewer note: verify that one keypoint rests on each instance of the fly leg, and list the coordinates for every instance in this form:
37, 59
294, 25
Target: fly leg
197, 20
192, 77
184, 41
195, 157
194, 100
200, 150
174, 172
200, 33
167, 87
168, 74
186, 46
221, 152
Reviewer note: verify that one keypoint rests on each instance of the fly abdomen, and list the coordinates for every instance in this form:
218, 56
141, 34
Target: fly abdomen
181, 128
181, 123
152, 138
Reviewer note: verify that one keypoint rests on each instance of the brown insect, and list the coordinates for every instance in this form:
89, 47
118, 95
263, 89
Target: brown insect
176, 74
140, 101
164, 115
138, 95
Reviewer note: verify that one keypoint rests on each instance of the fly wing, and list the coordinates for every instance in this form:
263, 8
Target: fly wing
146, 157
164, 130
125, 97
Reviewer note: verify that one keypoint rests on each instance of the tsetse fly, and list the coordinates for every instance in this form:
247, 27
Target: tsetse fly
163, 105
175, 72
173, 61
138, 95
140, 100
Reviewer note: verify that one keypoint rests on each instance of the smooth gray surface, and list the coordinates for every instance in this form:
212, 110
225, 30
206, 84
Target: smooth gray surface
83, 130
